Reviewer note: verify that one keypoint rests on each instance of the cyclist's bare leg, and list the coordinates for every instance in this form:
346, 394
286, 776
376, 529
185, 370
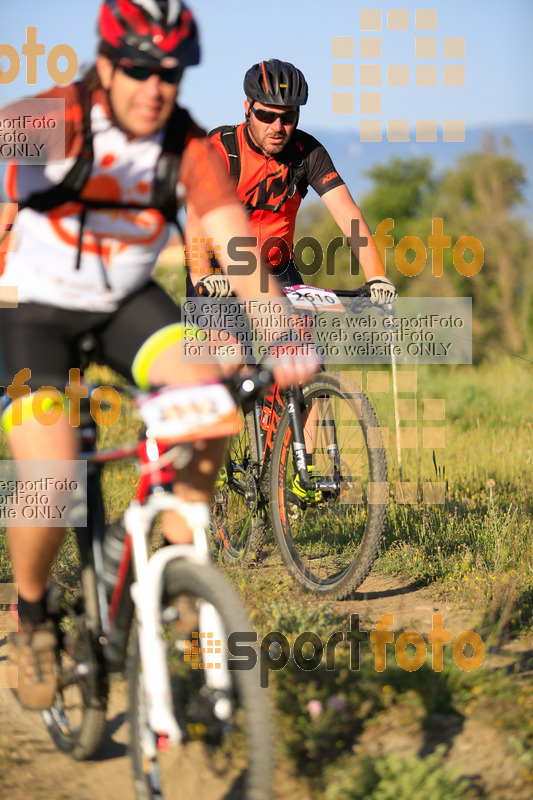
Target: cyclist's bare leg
33, 549
195, 482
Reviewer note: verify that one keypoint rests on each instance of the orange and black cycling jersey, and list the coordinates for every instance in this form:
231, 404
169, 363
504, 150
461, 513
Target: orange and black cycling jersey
264, 180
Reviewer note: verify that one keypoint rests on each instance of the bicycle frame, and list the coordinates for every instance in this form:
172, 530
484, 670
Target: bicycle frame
116, 615
266, 420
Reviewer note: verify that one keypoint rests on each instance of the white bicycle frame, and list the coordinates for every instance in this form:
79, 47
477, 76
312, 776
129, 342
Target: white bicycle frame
147, 593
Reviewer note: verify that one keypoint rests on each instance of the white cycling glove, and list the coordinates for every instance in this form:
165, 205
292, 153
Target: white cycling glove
382, 290
214, 286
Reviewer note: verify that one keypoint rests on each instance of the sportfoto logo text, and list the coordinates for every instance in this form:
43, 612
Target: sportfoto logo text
275, 650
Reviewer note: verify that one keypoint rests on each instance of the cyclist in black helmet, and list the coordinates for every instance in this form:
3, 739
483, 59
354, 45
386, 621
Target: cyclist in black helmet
272, 162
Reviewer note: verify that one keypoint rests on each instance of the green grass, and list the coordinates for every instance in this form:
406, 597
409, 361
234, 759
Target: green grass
475, 546
481, 531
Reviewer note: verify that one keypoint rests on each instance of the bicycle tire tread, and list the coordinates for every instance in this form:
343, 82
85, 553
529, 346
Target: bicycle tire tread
255, 539
85, 743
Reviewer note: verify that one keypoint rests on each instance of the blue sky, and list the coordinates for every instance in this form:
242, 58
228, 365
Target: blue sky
236, 33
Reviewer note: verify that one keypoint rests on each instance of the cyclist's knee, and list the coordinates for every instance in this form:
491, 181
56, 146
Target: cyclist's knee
32, 440
168, 357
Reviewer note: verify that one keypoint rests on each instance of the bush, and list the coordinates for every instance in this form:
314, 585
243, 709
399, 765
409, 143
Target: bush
391, 777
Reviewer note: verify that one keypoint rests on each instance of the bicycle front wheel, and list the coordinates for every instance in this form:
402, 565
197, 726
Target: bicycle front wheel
329, 539
238, 523
223, 715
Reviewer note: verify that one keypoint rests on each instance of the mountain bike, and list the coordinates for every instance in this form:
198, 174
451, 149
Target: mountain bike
198, 728
313, 459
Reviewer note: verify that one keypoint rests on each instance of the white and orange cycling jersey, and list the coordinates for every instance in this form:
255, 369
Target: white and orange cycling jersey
119, 246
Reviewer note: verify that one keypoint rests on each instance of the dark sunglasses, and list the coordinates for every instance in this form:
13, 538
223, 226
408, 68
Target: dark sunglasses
139, 73
268, 117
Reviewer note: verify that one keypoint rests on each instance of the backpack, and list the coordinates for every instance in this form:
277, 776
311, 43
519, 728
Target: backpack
166, 174
298, 179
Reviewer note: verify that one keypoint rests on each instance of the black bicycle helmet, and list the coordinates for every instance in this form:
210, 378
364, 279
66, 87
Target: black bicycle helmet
276, 83
159, 33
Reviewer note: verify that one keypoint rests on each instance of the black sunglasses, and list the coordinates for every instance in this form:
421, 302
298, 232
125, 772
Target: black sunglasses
139, 73
268, 117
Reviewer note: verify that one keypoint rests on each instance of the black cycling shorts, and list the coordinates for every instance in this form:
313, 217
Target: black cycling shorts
47, 338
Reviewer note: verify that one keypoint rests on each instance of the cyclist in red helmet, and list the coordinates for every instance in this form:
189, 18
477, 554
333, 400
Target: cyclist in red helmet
272, 162
90, 231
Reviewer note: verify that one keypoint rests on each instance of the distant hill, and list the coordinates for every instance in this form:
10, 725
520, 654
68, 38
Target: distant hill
353, 158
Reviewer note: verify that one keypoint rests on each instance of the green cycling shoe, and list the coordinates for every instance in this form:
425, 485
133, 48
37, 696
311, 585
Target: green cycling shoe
309, 495
222, 478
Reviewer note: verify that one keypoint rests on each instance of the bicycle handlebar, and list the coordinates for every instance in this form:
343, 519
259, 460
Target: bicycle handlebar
363, 291
244, 387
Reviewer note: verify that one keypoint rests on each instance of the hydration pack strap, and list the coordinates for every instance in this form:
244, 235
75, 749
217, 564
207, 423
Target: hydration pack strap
297, 170
74, 181
228, 137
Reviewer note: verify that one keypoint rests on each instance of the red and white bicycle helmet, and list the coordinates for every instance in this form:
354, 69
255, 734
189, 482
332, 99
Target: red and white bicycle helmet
159, 33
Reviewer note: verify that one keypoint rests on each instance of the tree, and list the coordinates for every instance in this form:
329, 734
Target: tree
480, 196
402, 191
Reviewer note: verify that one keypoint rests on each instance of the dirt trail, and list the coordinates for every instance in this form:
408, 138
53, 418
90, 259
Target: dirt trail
412, 606
32, 769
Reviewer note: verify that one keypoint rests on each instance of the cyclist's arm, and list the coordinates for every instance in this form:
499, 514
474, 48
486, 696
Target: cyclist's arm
342, 208
231, 218
214, 211
198, 262
218, 213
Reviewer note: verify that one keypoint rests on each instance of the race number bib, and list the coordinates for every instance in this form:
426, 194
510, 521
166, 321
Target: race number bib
189, 413
312, 298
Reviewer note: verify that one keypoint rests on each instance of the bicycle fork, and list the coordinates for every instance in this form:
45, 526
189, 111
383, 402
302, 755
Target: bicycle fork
295, 405
147, 593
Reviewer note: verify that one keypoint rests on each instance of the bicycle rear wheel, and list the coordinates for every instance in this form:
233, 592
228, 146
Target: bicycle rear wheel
225, 752
329, 541
238, 523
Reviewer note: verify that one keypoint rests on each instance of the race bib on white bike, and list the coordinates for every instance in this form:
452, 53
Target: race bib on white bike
312, 298
189, 413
